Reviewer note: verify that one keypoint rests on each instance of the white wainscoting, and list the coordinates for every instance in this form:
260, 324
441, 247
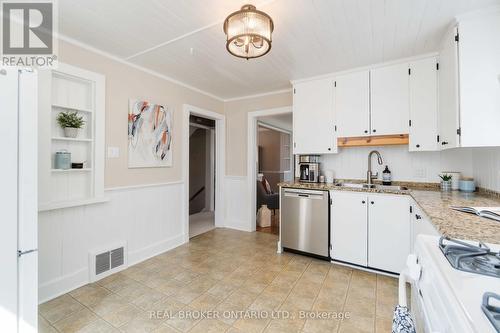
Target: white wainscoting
147, 218
237, 204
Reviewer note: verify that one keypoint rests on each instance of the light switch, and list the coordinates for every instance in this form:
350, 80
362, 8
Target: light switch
113, 152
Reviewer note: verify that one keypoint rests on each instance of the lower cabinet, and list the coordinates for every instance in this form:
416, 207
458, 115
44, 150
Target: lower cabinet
370, 230
348, 214
420, 225
388, 232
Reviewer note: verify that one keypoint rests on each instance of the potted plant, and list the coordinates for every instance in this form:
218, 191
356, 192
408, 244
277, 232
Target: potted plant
445, 182
71, 122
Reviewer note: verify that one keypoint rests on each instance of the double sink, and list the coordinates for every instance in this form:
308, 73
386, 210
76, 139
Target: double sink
373, 186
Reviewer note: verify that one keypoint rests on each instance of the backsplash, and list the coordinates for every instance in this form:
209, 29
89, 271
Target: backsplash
486, 166
352, 163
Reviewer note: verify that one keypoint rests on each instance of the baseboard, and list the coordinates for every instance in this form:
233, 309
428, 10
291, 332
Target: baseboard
62, 285
59, 286
237, 225
137, 256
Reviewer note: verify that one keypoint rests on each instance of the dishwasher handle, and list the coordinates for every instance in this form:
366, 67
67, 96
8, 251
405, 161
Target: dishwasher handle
304, 194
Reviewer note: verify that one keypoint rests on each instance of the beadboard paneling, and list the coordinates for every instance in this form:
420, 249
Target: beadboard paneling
352, 163
148, 219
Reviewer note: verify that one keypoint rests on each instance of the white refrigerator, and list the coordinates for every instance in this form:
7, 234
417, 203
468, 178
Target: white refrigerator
18, 200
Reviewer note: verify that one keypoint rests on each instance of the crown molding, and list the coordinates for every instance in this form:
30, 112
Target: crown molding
275, 92
135, 66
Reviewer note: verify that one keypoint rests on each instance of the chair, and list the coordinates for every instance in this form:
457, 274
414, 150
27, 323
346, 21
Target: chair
263, 198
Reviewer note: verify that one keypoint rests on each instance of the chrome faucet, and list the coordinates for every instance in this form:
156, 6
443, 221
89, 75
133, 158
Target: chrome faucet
369, 175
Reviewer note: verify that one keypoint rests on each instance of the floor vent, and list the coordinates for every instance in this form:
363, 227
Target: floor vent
107, 262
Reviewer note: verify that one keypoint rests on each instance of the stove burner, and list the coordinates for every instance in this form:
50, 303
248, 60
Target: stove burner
470, 258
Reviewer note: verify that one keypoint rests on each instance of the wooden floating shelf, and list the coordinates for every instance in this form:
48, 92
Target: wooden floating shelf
379, 140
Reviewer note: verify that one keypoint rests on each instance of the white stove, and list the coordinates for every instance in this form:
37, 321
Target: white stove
446, 299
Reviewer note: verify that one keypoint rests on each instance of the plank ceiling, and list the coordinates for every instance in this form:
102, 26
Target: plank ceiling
183, 39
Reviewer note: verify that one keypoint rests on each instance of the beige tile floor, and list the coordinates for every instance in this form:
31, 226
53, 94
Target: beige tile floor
226, 272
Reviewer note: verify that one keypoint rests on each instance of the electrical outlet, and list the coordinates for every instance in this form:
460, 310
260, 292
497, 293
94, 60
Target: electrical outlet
113, 152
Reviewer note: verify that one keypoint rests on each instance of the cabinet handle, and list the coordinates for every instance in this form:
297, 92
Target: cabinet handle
329, 149
374, 130
372, 202
418, 217
418, 146
363, 202
366, 131
444, 143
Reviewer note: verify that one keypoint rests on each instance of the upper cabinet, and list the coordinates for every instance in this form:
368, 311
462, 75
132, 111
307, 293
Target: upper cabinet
449, 122
423, 105
469, 82
313, 118
389, 100
352, 104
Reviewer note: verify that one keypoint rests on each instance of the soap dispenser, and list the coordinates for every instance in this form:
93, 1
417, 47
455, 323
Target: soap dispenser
386, 176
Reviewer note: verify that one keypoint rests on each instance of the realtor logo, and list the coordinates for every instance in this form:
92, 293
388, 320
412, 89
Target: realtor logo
28, 33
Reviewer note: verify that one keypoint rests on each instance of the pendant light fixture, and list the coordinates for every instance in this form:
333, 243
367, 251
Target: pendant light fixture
248, 32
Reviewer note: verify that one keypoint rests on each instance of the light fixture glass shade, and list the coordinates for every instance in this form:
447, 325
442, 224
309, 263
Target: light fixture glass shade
248, 32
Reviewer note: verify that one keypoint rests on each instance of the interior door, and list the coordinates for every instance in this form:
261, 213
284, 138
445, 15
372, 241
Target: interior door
8, 197
352, 104
389, 100
448, 91
348, 228
423, 105
389, 234
313, 119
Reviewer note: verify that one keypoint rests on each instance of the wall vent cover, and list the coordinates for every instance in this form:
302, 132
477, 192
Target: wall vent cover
102, 263
107, 261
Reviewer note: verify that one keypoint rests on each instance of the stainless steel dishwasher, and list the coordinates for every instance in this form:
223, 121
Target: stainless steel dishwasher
305, 221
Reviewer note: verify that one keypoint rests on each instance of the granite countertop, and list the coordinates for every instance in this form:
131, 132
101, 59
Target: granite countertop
436, 205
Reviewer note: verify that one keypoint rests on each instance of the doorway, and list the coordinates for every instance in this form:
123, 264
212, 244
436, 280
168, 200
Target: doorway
201, 175
271, 135
203, 202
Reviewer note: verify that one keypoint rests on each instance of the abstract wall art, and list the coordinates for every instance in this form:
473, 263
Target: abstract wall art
149, 135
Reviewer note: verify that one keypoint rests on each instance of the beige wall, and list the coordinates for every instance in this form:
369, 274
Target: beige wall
124, 82
236, 127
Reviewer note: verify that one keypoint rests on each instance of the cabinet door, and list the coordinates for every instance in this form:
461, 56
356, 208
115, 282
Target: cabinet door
389, 100
420, 225
423, 105
479, 57
388, 232
448, 91
313, 119
348, 227
352, 104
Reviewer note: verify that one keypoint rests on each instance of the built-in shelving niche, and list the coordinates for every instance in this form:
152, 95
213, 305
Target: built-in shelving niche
71, 89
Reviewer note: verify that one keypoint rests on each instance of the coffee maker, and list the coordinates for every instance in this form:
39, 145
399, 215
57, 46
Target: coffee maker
309, 168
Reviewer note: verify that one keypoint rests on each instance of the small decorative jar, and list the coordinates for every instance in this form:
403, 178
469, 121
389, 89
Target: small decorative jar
62, 160
467, 185
446, 185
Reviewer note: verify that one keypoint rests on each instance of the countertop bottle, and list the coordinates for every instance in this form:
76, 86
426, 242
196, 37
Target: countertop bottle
386, 176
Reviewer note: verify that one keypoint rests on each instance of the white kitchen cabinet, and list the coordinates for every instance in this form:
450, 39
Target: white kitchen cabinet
469, 82
388, 232
348, 227
313, 118
420, 225
389, 99
479, 79
352, 104
448, 91
423, 105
